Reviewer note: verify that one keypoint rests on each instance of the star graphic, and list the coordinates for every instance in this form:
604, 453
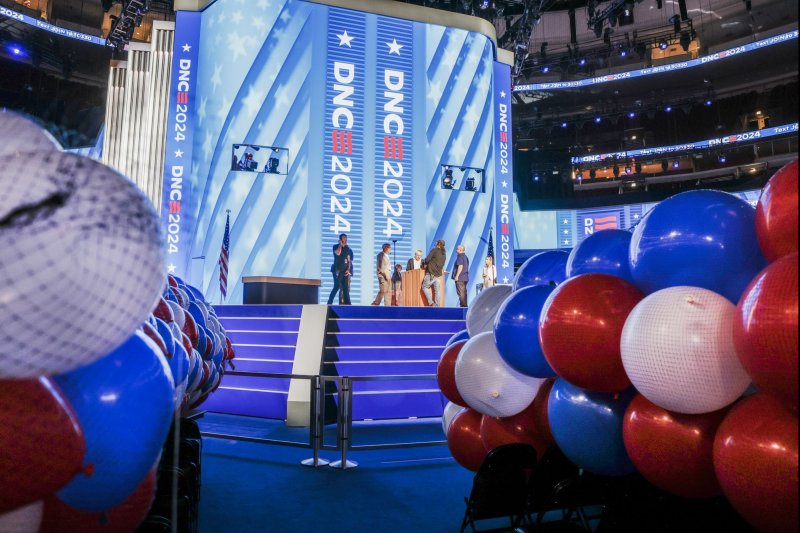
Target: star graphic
178, 153
504, 183
566, 242
284, 16
281, 98
565, 221
258, 23
345, 39
394, 47
636, 216
254, 99
502, 94
207, 146
505, 279
236, 45
201, 109
186, 47
216, 78
171, 269
435, 90
566, 232
263, 4
237, 17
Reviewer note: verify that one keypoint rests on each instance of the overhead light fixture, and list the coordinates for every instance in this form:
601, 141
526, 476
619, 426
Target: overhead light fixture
663, 44
668, 109
447, 181
758, 112
631, 115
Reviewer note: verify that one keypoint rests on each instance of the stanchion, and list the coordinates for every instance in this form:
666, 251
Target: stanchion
344, 423
316, 424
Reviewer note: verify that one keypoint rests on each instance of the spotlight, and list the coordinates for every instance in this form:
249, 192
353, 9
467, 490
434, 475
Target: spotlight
631, 115
676, 164
470, 184
597, 120
447, 181
536, 177
663, 44
563, 124
708, 102
545, 69
582, 61
622, 52
668, 109
628, 169
16, 51
722, 158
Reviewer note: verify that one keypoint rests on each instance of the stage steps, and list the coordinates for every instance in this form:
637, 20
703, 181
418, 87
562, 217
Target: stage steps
390, 341
264, 338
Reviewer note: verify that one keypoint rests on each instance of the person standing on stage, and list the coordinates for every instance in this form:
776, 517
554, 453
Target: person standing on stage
416, 262
461, 275
384, 276
489, 272
342, 270
397, 285
434, 265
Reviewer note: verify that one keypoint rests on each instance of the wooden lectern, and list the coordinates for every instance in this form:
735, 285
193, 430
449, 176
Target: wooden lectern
412, 288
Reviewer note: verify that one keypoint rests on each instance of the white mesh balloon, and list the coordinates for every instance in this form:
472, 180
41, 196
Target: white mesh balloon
487, 383
677, 349
177, 312
20, 135
483, 309
81, 265
450, 412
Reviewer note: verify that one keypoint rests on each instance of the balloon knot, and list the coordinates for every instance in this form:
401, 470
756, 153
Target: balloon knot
495, 394
88, 470
690, 299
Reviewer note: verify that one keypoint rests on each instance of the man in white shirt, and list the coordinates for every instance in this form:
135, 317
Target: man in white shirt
416, 262
384, 269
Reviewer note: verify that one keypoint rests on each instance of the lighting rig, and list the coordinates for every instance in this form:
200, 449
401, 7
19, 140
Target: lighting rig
123, 26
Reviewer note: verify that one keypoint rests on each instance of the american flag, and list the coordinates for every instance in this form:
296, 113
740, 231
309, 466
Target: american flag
223, 258
490, 253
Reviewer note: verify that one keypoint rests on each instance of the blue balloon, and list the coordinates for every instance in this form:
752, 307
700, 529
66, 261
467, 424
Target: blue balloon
179, 281
218, 357
195, 367
166, 334
169, 295
603, 252
201, 342
194, 291
462, 335
544, 268
516, 331
124, 404
179, 364
587, 426
700, 238
211, 377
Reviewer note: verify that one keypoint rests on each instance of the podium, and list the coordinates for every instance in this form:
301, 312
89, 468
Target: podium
412, 288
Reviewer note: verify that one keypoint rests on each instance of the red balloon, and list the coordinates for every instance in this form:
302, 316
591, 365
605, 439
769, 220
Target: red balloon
179, 297
163, 311
464, 439
173, 283
580, 329
540, 419
765, 330
231, 354
41, 442
124, 518
154, 336
187, 343
446, 373
755, 458
673, 451
776, 214
520, 428
190, 328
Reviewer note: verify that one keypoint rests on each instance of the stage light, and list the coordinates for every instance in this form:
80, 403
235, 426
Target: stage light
16, 51
563, 124
470, 184
628, 170
536, 177
708, 102
447, 181
668, 109
597, 120
631, 115
722, 158
676, 164
545, 69
582, 61
663, 44
758, 112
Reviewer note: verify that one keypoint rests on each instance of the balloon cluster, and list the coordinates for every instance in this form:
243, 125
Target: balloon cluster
94, 366
671, 350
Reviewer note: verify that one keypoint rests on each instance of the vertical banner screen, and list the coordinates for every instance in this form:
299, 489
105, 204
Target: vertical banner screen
503, 196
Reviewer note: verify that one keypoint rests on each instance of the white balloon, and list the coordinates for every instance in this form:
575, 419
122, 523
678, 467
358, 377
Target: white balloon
19, 135
176, 331
487, 383
483, 309
177, 313
25, 519
450, 412
677, 349
81, 262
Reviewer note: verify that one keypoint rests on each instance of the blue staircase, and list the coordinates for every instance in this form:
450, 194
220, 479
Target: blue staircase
390, 341
264, 339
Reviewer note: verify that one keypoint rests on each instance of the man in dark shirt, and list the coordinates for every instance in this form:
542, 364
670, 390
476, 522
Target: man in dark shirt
342, 270
433, 274
461, 275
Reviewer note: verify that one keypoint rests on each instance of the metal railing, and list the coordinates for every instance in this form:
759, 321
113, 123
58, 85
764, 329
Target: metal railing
316, 426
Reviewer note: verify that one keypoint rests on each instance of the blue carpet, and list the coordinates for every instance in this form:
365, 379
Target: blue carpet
260, 487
